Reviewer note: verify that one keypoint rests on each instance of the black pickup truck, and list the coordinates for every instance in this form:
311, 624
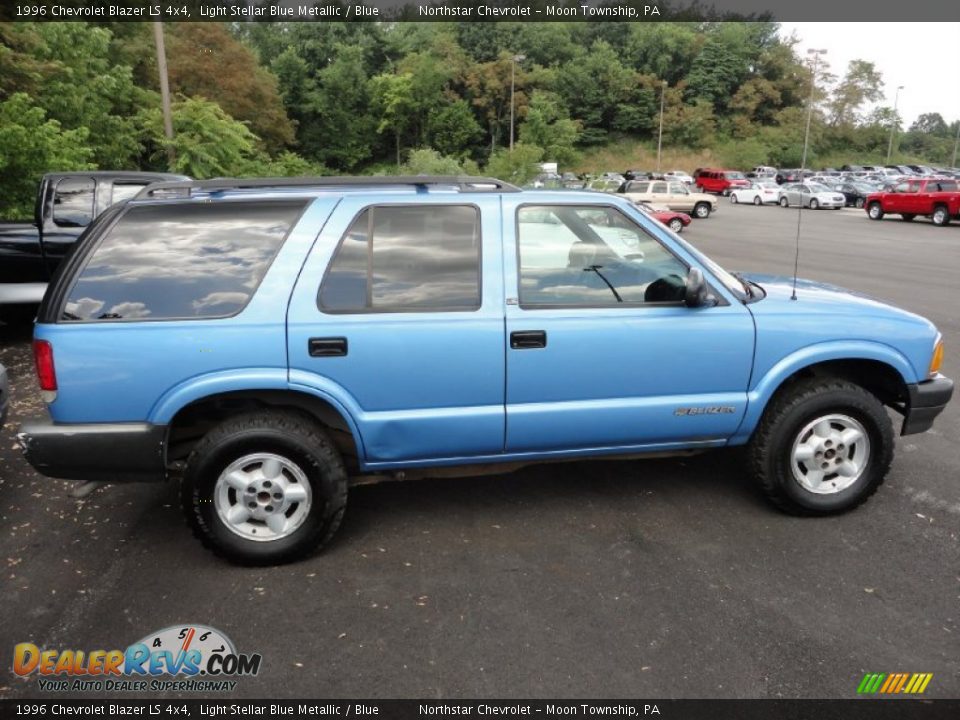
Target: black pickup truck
66, 204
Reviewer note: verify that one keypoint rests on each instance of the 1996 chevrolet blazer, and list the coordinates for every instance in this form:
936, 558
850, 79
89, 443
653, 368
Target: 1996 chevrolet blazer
264, 341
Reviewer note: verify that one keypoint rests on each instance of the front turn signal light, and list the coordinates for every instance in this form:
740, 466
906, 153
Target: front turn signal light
937, 360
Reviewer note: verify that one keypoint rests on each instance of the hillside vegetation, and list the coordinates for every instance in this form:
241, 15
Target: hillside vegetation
317, 98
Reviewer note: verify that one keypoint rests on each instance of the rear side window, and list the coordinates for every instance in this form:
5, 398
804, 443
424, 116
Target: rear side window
402, 258
124, 191
73, 202
161, 262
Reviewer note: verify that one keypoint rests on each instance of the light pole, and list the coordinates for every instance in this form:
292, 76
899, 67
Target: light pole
893, 122
813, 84
663, 91
164, 88
513, 74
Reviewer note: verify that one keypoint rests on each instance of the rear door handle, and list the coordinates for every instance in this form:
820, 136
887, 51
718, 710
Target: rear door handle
327, 347
527, 339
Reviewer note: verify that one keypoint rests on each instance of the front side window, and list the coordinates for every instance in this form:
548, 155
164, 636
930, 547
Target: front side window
73, 202
181, 261
592, 256
405, 258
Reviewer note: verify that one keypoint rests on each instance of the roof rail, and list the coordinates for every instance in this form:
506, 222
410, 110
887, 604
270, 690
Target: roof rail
186, 188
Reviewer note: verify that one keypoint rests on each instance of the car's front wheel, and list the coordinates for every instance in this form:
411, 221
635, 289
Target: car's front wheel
264, 488
875, 212
784, 202
859, 203
822, 447
814, 204
757, 200
702, 210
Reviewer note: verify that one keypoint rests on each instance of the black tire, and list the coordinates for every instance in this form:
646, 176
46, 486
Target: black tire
784, 202
725, 192
875, 211
858, 203
941, 216
814, 204
757, 200
907, 217
733, 199
676, 225
788, 414
701, 210
295, 437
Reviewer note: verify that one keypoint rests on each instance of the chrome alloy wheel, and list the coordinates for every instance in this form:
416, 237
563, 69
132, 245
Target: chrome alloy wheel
830, 454
262, 497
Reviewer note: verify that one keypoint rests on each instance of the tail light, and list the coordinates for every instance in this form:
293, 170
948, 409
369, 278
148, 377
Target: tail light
46, 372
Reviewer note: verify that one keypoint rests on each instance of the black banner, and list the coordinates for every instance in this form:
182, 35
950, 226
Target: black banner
892, 709
858, 11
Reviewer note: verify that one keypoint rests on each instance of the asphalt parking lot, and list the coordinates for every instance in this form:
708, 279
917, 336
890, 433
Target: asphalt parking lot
655, 579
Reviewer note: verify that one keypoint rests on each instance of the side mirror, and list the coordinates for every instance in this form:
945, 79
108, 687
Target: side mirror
697, 293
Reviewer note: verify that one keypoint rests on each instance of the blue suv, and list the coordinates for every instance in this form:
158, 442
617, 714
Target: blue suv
267, 342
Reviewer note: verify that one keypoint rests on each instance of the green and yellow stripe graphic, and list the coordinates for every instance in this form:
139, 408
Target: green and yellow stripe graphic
894, 683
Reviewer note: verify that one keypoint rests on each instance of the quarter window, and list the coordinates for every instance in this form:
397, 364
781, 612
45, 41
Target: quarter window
73, 202
592, 257
181, 261
405, 258
124, 192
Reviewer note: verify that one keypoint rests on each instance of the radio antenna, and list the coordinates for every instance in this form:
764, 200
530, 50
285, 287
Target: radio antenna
803, 162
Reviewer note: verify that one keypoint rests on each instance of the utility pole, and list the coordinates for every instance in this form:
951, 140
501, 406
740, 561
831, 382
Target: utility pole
893, 123
813, 84
953, 163
513, 75
663, 91
164, 89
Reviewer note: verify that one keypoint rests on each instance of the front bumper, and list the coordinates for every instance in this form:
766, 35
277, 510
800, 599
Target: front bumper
4, 396
112, 452
927, 400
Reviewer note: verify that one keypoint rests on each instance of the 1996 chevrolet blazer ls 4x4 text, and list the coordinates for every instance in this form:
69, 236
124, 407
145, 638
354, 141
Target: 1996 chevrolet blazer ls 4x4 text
267, 340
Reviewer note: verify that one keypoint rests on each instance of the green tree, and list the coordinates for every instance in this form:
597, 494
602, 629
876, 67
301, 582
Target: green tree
518, 166
548, 127
932, 124
861, 84
31, 145
393, 103
207, 142
427, 161
453, 130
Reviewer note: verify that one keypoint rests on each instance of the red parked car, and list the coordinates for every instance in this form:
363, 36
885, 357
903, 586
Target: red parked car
676, 221
719, 181
936, 198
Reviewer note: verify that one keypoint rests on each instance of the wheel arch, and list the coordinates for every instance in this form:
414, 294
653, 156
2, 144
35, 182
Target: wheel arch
192, 421
878, 369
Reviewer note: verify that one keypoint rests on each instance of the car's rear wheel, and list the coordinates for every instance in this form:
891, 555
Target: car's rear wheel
264, 488
874, 211
814, 204
907, 217
676, 225
702, 210
757, 200
822, 447
941, 216
859, 203
733, 198
784, 202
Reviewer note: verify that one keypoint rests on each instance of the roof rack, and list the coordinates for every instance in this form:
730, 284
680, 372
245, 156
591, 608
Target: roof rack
186, 188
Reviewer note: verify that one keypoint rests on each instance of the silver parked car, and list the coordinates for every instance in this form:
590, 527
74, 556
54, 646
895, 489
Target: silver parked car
811, 195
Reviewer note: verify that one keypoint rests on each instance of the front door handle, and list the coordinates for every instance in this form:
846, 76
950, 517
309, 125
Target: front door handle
527, 339
327, 347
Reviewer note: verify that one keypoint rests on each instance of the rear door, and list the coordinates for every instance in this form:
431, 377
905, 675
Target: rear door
398, 317
602, 353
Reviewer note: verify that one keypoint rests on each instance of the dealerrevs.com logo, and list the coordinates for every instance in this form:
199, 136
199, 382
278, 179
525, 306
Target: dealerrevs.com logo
205, 658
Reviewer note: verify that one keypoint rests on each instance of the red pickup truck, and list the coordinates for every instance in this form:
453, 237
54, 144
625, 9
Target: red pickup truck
936, 198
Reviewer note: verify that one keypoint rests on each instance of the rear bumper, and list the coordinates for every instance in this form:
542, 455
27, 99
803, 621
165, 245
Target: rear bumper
927, 400
114, 452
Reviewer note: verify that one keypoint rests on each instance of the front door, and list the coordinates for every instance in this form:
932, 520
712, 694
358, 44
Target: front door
602, 353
